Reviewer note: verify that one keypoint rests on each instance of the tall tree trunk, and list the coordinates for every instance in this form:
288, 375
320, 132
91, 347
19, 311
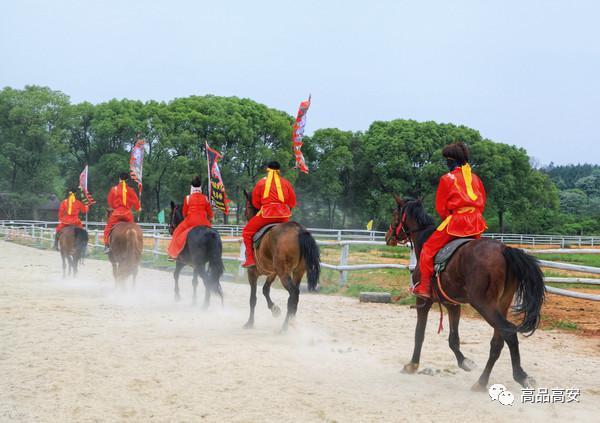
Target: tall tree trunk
501, 221
13, 183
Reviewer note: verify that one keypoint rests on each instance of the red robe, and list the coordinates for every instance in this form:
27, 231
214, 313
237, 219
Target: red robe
121, 198
69, 216
460, 204
196, 212
275, 208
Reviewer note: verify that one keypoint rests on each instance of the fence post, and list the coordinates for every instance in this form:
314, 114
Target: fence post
32, 231
156, 241
343, 262
96, 240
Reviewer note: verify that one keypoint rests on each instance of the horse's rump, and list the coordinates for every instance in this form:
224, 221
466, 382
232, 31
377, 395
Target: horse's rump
126, 246
73, 241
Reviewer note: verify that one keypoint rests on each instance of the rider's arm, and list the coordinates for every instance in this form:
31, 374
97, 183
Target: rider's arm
291, 197
62, 210
209, 211
82, 207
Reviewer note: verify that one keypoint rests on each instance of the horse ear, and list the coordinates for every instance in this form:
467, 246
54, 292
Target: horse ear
399, 200
172, 205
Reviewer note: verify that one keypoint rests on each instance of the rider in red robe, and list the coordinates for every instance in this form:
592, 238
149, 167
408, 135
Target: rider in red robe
196, 212
121, 199
274, 197
68, 214
460, 200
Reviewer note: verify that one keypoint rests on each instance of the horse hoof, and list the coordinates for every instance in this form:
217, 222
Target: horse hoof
467, 365
410, 368
528, 383
249, 325
177, 298
477, 387
275, 311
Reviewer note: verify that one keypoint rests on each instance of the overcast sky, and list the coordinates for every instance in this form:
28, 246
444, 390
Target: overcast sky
525, 73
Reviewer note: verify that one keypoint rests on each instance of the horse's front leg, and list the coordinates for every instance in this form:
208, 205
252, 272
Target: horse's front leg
454, 340
423, 307
252, 278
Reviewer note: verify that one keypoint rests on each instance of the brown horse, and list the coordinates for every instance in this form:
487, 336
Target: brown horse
126, 245
288, 251
72, 244
483, 273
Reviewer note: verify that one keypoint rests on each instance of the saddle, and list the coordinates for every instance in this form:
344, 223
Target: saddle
440, 262
257, 237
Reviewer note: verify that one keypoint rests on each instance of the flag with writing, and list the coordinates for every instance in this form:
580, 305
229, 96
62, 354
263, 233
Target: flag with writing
298, 135
136, 163
87, 198
216, 189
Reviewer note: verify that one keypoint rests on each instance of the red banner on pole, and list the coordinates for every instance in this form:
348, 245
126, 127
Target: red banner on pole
216, 189
87, 199
298, 135
136, 163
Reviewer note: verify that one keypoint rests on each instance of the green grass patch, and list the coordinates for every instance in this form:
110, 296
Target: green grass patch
563, 324
583, 259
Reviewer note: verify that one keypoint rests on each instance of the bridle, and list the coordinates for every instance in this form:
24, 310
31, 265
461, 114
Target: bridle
400, 233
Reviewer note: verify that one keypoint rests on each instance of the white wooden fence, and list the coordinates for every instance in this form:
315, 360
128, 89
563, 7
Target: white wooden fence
44, 232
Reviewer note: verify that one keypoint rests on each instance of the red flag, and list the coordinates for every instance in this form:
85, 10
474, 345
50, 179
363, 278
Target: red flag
216, 189
87, 199
136, 163
298, 134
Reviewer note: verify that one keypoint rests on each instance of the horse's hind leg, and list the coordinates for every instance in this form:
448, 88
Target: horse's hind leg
195, 286
252, 278
70, 260
275, 310
423, 307
454, 340
64, 264
75, 264
292, 303
206, 282
178, 267
496, 345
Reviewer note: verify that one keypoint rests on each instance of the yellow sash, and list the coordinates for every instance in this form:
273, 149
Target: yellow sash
70, 202
124, 192
273, 174
466, 172
462, 210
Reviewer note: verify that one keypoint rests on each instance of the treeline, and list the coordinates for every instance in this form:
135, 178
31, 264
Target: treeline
45, 141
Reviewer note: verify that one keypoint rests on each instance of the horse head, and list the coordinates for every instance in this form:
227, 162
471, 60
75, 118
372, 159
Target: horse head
176, 216
250, 211
408, 217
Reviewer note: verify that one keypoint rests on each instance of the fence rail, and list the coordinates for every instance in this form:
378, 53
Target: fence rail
34, 230
562, 241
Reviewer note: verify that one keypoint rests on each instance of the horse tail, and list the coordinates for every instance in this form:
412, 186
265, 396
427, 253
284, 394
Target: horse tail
530, 287
133, 253
309, 251
81, 241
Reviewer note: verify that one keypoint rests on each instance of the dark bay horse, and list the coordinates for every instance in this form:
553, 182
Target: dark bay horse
288, 251
126, 246
483, 273
203, 251
72, 244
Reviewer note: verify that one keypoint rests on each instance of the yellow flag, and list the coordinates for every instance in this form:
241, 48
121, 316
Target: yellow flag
370, 225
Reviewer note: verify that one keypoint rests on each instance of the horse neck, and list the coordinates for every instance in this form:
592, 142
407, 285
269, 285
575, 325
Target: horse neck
418, 238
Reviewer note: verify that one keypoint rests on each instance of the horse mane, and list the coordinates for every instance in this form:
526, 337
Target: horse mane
414, 209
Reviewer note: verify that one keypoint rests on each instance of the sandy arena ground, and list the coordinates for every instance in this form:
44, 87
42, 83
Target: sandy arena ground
77, 350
